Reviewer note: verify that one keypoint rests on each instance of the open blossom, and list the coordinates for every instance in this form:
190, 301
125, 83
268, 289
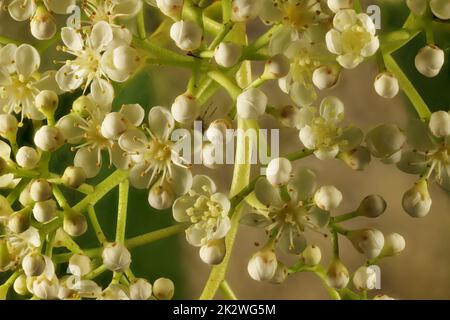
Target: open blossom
206, 210
86, 133
320, 130
288, 217
110, 10
156, 163
97, 60
353, 38
21, 82
22, 10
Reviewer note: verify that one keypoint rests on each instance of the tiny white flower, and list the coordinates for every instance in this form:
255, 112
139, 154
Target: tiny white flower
353, 38
206, 210
45, 211
161, 196
33, 264
40, 190
365, 278
385, 141
79, 265
277, 67
47, 102
187, 35
73, 176
324, 77
27, 157
357, 159
417, 201
74, 223
45, 288
163, 289
217, 131
251, 103
114, 292
171, 8
111, 10
429, 60
48, 138
140, 289
263, 265
279, 171
20, 285
185, 109
369, 242
43, 24
227, 54
116, 257
8, 126
386, 85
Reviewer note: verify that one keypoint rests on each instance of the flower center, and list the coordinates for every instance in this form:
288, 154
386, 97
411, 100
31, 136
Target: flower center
21, 91
354, 39
300, 14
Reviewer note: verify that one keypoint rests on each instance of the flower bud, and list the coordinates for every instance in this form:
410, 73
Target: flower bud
171, 8
8, 126
43, 25
161, 196
227, 54
279, 171
328, 198
385, 140
44, 211
27, 157
74, 223
429, 60
440, 124
365, 278
116, 257
114, 125
368, 242
277, 67
79, 265
209, 155
217, 131
386, 85
40, 190
324, 77
25, 197
140, 289
47, 102
417, 201
48, 138
33, 264
280, 275
251, 103
393, 245
20, 285
19, 221
213, 252
187, 35
263, 265
417, 7
46, 289
185, 109
337, 275
311, 256
83, 106
357, 159
336, 5
163, 289
372, 206
73, 177
441, 9
245, 10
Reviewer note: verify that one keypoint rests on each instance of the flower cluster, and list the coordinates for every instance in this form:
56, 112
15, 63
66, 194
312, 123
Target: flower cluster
306, 48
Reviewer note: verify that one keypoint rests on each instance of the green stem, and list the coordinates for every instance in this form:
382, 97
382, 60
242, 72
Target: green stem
223, 33
321, 273
95, 273
345, 217
140, 24
122, 211
406, 85
15, 193
226, 10
4, 288
227, 291
57, 193
299, 154
154, 236
96, 225
101, 189
6, 40
221, 78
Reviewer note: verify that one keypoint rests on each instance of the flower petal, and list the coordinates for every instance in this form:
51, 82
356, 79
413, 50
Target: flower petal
195, 235
266, 193
180, 206
161, 122
70, 128
132, 140
67, 80
28, 60
88, 160
180, 180
21, 10
334, 41
134, 113
302, 185
138, 177
72, 39
371, 48
101, 35
8, 57
102, 92
60, 6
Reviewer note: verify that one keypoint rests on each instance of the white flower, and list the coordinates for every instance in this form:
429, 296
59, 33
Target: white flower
33, 264
227, 54
27, 157
287, 218
79, 265
156, 159
217, 131
441, 9
353, 38
429, 60
386, 85
251, 103
322, 132
20, 285
116, 257
163, 289
22, 10
73, 176
279, 171
206, 210
140, 289
97, 61
369, 242
357, 159
187, 35
365, 278
324, 77
114, 292
277, 67
417, 201
337, 275
45, 288
8, 126
110, 10
47, 102
98, 132
328, 198
263, 265
20, 81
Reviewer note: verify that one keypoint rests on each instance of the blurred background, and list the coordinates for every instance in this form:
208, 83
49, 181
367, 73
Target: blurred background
422, 271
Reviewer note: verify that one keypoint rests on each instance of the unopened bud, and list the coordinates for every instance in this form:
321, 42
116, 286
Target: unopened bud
263, 265
74, 223
357, 159
43, 25
311, 256
48, 138
417, 201
372, 206
365, 278
163, 289
394, 243
47, 102
386, 85
40, 190
213, 252
368, 242
27, 157
73, 177
337, 275
116, 257
279, 171
429, 60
